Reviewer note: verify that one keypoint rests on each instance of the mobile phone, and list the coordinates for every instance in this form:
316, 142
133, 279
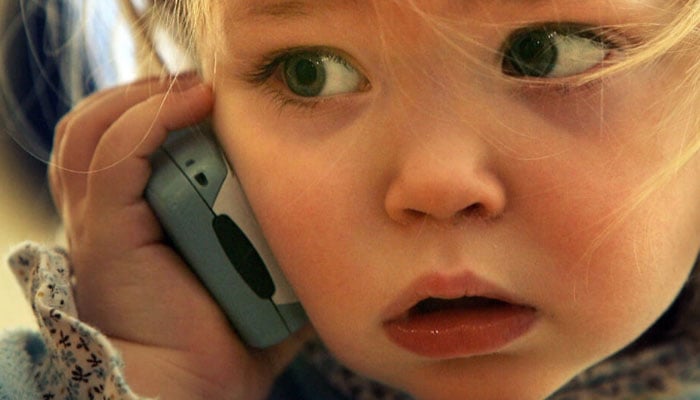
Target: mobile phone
202, 208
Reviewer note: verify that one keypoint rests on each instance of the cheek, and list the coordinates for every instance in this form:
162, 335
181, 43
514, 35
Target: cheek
317, 228
310, 199
612, 265
324, 251
609, 260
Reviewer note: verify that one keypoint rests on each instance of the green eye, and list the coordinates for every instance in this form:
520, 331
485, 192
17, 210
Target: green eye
558, 51
305, 75
311, 74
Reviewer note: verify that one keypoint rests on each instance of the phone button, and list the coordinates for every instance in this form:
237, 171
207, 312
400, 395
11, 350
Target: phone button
243, 256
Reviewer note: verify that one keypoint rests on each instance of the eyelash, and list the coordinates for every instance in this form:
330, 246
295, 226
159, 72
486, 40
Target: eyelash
270, 65
616, 41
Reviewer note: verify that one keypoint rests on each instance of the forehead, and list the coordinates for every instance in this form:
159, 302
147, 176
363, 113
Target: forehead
232, 17
295, 8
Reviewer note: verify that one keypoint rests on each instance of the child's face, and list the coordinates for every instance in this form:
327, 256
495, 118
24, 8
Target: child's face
421, 171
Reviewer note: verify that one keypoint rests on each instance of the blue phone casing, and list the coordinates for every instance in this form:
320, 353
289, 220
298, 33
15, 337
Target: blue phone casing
200, 204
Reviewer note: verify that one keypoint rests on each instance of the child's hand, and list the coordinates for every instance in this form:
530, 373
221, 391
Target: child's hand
175, 341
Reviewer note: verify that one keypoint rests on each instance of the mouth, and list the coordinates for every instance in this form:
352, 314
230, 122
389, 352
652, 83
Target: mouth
466, 303
443, 326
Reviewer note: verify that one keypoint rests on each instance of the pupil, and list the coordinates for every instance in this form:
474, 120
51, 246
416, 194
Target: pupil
306, 72
305, 75
532, 54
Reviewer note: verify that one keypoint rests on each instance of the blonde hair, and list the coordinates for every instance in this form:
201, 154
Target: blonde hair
181, 21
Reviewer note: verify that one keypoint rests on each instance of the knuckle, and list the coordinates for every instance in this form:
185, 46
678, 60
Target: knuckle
85, 101
158, 100
60, 129
55, 187
149, 110
54, 181
66, 144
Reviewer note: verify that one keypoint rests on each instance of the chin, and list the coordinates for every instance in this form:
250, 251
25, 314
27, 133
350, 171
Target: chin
461, 379
481, 392
505, 391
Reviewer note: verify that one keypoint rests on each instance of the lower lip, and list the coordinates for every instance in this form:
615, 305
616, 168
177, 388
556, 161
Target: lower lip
461, 333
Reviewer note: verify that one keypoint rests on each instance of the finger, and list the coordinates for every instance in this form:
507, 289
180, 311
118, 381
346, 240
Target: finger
81, 132
97, 96
179, 82
92, 116
121, 163
77, 135
122, 167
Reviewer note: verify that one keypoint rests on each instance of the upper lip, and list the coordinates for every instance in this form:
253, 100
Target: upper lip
446, 286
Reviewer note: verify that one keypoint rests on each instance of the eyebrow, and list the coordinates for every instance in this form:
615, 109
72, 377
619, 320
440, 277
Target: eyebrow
283, 9
279, 10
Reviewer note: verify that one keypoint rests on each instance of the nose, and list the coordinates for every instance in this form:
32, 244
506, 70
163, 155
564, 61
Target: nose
445, 181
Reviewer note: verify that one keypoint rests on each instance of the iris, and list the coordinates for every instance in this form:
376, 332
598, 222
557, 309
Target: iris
305, 74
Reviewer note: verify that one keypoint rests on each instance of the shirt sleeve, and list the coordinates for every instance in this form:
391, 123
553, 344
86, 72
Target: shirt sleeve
77, 361
20, 350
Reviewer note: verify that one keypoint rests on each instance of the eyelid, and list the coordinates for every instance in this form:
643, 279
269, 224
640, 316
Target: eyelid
613, 39
270, 62
608, 35
263, 74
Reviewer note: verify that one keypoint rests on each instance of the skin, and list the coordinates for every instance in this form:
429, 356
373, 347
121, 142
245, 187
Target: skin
368, 191
421, 171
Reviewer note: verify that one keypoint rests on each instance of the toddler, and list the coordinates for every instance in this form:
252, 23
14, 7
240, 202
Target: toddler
471, 200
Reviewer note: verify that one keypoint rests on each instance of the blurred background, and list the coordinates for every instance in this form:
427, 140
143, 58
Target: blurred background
31, 104
25, 214
52, 54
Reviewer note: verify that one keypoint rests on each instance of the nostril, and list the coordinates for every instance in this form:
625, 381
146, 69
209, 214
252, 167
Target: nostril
474, 210
414, 214
447, 197
477, 211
